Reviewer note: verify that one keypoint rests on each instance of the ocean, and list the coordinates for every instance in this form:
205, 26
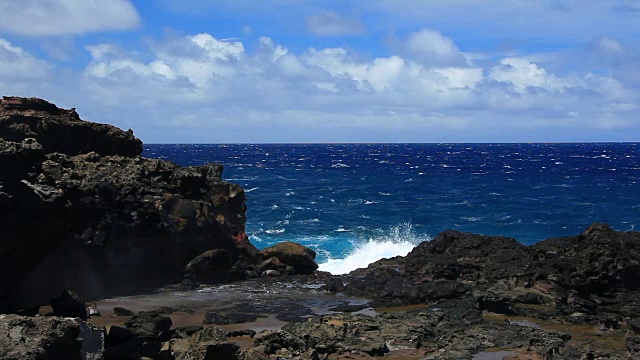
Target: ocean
356, 203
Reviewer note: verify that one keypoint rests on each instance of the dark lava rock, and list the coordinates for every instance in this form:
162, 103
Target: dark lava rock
69, 304
225, 319
577, 278
181, 332
300, 258
149, 324
447, 267
463, 344
211, 267
117, 335
120, 311
35, 338
209, 343
280, 339
59, 130
236, 333
212, 334
222, 351
77, 193
598, 261
496, 305
129, 349
477, 259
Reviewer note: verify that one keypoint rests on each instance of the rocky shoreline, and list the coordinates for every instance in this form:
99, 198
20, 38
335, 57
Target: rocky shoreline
81, 209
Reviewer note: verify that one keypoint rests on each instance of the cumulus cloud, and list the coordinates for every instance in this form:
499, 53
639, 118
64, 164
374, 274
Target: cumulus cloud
197, 87
18, 65
66, 17
525, 76
432, 48
329, 23
274, 86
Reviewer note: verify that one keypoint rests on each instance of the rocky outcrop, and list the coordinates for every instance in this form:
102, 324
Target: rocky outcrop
34, 338
80, 209
60, 130
589, 278
425, 334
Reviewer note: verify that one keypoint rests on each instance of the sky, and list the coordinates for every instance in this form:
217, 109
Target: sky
256, 71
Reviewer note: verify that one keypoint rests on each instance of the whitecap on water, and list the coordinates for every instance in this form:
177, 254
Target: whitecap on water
397, 241
275, 231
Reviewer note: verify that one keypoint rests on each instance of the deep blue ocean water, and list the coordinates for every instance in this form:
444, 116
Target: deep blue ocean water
355, 203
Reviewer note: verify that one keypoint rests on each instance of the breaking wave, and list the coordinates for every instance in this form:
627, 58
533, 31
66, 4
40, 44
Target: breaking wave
398, 241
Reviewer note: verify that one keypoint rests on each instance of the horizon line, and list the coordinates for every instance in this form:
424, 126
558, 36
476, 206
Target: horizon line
397, 143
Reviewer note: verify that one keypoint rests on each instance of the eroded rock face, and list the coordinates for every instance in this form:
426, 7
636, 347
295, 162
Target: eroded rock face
79, 209
588, 278
60, 130
34, 338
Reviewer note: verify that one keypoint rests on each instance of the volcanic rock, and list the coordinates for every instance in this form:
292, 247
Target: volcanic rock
225, 319
149, 324
69, 304
34, 338
300, 258
80, 209
60, 130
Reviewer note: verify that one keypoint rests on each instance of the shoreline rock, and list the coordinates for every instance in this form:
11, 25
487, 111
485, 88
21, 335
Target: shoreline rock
80, 209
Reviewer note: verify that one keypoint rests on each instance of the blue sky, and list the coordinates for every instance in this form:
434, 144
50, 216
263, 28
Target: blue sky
229, 71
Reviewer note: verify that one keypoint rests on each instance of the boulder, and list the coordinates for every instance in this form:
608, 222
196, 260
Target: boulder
149, 324
117, 335
211, 267
215, 318
300, 258
35, 338
120, 311
69, 304
210, 343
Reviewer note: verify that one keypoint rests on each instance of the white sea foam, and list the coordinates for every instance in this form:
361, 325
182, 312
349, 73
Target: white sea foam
400, 240
275, 231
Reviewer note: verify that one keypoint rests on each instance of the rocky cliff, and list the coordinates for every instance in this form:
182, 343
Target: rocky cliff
80, 208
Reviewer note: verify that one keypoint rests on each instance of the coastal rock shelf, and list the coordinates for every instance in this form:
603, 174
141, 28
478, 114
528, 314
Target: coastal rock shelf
81, 209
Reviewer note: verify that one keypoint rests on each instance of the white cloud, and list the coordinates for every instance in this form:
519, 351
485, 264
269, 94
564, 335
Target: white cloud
18, 65
524, 75
66, 17
201, 88
329, 23
432, 48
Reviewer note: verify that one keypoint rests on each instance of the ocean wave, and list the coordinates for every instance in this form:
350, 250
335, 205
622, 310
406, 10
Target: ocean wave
340, 165
397, 241
252, 189
275, 231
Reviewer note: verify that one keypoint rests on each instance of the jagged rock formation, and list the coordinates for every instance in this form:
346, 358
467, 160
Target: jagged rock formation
80, 209
593, 277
